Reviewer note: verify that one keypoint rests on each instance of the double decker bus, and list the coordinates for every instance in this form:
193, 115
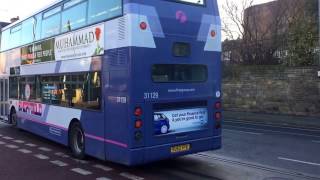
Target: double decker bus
128, 81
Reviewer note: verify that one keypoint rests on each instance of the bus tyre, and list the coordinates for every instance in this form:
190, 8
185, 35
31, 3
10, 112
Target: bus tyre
77, 141
13, 118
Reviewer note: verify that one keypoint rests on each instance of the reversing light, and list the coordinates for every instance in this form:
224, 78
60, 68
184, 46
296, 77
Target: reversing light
218, 105
138, 135
138, 124
143, 25
138, 111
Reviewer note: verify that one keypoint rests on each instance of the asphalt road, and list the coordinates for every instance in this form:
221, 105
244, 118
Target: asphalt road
249, 153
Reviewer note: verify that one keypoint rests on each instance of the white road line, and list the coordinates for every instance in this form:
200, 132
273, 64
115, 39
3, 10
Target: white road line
18, 141
316, 142
12, 146
7, 138
81, 171
268, 125
25, 151
243, 132
2, 143
44, 149
298, 161
105, 168
59, 163
41, 156
31, 145
1, 135
103, 178
61, 154
131, 176
80, 161
280, 132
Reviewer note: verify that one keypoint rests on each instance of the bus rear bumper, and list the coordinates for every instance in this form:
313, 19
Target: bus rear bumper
161, 152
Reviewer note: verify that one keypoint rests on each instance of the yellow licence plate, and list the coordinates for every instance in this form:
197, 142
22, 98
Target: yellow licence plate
180, 148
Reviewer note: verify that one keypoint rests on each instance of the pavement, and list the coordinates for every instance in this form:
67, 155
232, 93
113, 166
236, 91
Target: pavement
274, 119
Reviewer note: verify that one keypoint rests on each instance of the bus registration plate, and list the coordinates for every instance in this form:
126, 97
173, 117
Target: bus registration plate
180, 148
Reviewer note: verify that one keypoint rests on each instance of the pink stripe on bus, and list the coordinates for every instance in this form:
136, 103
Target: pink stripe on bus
87, 135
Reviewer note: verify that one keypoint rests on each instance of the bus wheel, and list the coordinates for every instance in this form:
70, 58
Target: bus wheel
13, 118
76, 141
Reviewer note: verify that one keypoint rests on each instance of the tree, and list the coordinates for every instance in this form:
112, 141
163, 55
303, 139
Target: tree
272, 28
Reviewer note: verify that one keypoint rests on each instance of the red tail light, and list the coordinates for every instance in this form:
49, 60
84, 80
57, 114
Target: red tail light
138, 124
218, 115
218, 105
143, 25
138, 111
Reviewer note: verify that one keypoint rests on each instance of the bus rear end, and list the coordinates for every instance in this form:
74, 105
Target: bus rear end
175, 90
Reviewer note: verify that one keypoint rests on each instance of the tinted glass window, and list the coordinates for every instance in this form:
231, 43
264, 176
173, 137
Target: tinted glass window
74, 17
200, 2
101, 10
77, 90
27, 31
51, 23
15, 36
38, 21
5, 40
13, 86
179, 73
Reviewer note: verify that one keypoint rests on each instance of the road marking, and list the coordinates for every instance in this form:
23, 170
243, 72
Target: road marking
131, 176
105, 168
61, 154
298, 161
2, 143
1, 135
44, 149
19, 141
25, 151
81, 171
103, 178
243, 132
80, 161
316, 142
280, 132
7, 138
268, 125
41, 156
31, 145
59, 163
12, 146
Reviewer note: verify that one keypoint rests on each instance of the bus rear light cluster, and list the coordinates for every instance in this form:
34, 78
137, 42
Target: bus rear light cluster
218, 105
138, 111
138, 124
143, 25
218, 115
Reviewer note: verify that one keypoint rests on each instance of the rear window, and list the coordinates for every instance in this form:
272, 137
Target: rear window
197, 2
170, 73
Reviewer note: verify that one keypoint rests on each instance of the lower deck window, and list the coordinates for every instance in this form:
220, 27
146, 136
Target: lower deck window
162, 73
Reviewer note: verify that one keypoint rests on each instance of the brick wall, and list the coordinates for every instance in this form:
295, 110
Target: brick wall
272, 89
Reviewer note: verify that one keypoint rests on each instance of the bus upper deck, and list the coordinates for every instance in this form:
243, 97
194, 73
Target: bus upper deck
128, 81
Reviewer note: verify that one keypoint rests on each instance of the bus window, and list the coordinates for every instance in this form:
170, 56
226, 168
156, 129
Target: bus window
27, 31
13, 86
51, 23
5, 39
179, 73
74, 17
15, 36
101, 10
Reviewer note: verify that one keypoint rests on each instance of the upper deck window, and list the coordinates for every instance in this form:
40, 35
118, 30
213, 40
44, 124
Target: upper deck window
74, 17
101, 10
